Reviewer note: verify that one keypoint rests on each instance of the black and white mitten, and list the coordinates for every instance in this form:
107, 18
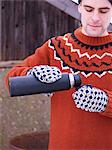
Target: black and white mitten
90, 99
45, 73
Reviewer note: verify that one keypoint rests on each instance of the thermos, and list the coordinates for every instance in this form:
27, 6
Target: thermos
28, 85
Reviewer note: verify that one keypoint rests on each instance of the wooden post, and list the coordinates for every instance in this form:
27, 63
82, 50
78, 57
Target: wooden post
0, 27
9, 64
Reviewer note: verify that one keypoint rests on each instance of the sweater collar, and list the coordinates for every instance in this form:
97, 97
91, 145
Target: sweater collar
93, 41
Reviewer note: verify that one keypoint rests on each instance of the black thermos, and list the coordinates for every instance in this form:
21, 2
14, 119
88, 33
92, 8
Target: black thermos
28, 85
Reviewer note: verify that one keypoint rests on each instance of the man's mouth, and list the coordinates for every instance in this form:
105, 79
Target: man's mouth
95, 26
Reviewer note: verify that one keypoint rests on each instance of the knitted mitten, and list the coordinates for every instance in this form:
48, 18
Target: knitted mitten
45, 74
90, 99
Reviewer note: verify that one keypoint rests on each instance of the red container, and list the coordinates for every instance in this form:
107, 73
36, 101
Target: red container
30, 141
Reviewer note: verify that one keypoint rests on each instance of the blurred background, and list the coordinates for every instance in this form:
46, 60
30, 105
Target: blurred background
24, 26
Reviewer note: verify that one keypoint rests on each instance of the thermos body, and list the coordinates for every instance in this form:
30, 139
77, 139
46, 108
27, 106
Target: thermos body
28, 85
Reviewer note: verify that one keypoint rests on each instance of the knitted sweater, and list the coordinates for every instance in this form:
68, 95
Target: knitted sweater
90, 57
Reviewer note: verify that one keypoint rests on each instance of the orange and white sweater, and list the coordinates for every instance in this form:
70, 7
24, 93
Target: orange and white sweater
91, 57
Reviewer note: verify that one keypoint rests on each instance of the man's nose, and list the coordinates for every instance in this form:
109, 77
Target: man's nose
95, 17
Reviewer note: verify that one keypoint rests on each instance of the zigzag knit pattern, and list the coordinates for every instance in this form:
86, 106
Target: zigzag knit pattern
81, 57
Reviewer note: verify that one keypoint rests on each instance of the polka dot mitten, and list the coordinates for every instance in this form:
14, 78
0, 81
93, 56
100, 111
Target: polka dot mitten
45, 73
90, 99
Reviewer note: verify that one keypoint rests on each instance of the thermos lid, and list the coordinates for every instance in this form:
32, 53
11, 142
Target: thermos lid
77, 80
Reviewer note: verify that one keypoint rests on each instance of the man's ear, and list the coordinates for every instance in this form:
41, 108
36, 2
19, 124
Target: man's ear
79, 8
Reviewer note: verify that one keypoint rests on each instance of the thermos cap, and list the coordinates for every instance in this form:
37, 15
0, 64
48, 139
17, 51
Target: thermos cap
75, 80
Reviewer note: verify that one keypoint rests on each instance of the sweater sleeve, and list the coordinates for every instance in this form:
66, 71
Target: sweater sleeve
40, 57
108, 110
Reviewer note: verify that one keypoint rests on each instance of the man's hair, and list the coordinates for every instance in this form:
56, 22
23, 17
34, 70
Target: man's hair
108, 0
79, 1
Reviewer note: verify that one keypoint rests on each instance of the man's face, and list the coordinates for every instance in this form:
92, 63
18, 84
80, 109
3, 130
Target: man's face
95, 17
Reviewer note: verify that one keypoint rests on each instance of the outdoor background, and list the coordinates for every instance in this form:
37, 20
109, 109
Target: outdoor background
24, 26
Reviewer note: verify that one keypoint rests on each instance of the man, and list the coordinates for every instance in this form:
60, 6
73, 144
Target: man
82, 119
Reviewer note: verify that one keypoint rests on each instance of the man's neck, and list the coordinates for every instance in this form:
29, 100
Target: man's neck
104, 34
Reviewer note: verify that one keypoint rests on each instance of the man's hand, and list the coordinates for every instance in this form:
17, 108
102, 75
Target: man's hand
90, 99
45, 74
